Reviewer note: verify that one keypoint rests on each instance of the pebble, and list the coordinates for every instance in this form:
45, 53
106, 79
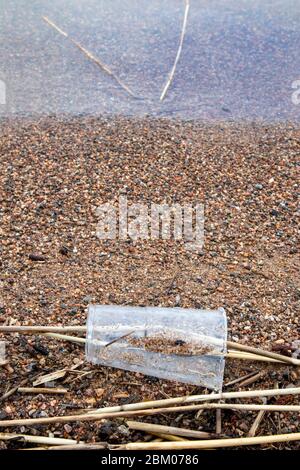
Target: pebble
68, 428
3, 414
99, 392
124, 430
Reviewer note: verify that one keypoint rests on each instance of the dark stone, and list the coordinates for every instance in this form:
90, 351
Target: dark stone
73, 311
274, 213
3, 414
41, 349
107, 429
179, 342
36, 257
64, 250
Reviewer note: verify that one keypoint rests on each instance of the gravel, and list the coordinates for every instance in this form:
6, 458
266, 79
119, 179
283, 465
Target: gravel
57, 171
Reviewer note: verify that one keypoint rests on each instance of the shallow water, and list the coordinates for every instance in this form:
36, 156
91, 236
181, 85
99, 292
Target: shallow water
239, 58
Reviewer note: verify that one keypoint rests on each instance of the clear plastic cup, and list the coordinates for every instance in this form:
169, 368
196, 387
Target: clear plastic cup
185, 345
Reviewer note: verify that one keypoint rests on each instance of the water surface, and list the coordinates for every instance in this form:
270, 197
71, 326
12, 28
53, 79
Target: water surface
239, 58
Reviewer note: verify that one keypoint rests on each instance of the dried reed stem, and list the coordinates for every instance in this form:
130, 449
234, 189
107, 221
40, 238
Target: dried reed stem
157, 428
44, 390
41, 329
210, 444
197, 398
173, 70
145, 412
262, 352
90, 56
4, 436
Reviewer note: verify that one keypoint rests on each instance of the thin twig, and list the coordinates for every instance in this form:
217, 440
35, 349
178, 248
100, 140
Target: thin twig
90, 56
119, 338
13, 390
172, 72
170, 287
240, 379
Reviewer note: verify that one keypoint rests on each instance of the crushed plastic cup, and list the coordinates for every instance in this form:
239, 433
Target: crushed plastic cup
185, 345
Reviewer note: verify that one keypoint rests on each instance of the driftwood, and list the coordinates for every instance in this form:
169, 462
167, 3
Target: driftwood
256, 423
230, 355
